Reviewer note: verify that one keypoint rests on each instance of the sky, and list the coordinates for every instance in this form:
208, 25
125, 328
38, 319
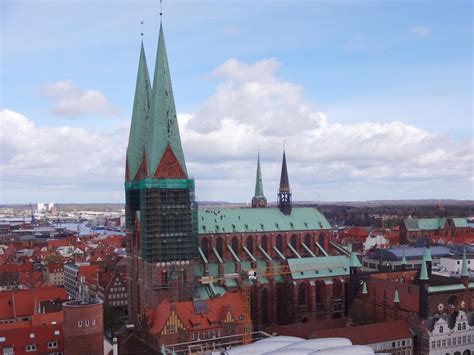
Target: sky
373, 100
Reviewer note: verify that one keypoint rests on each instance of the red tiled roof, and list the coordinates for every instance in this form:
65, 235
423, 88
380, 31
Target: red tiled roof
216, 307
369, 333
305, 330
22, 302
26, 267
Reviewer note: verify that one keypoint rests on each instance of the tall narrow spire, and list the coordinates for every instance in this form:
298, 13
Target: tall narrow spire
140, 119
464, 269
284, 192
165, 156
259, 199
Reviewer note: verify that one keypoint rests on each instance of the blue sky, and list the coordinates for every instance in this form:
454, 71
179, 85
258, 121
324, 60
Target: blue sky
355, 62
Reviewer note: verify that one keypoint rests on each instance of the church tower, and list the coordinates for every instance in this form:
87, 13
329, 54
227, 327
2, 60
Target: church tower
259, 200
161, 213
284, 192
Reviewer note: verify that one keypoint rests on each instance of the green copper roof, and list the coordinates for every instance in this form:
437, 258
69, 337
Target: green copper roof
423, 272
258, 182
454, 287
250, 220
364, 289
321, 266
427, 255
354, 260
460, 222
424, 223
141, 109
163, 121
464, 270
404, 259
396, 299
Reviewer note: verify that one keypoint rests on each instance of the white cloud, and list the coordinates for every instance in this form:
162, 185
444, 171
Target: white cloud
421, 31
71, 101
250, 107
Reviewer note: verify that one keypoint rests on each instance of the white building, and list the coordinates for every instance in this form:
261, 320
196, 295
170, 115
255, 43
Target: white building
449, 335
453, 265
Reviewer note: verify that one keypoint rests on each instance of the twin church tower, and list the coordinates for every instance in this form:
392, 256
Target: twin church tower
161, 212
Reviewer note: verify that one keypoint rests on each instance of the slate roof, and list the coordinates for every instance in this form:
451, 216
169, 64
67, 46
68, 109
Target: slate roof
416, 253
248, 220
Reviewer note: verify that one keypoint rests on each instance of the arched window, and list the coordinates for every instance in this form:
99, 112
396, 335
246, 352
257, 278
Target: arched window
279, 243
264, 303
321, 240
205, 247
293, 241
466, 352
249, 243
235, 244
301, 294
264, 243
220, 247
164, 278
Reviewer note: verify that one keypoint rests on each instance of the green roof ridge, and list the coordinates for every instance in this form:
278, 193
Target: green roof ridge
140, 114
164, 127
424, 271
464, 270
258, 180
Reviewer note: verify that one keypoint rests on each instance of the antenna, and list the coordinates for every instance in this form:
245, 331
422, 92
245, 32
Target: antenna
142, 28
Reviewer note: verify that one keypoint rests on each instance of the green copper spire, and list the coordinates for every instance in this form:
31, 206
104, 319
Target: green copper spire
364, 289
396, 299
464, 271
139, 125
427, 255
423, 271
258, 181
349, 247
354, 261
404, 259
164, 128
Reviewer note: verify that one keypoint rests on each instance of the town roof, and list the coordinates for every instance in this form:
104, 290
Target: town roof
413, 224
412, 253
368, 334
250, 220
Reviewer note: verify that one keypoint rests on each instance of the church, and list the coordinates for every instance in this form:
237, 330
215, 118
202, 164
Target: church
278, 262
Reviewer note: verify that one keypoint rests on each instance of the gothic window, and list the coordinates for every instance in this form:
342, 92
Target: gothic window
307, 240
279, 243
264, 243
264, 303
235, 244
220, 247
293, 241
301, 294
321, 240
250, 244
205, 247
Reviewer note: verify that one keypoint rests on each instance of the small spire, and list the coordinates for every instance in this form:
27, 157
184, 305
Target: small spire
364, 289
404, 259
354, 261
464, 270
423, 271
396, 299
427, 254
258, 182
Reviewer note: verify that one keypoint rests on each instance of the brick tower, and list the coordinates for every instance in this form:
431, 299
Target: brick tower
161, 213
83, 325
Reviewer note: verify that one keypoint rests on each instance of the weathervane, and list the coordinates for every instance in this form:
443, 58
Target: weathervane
161, 10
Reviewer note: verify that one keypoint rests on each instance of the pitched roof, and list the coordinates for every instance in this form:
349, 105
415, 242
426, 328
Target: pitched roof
246, 220
163, 127
139, 125
369, 333
320, 266
189, 313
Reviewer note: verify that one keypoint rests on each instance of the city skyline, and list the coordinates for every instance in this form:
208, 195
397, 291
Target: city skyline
67, 122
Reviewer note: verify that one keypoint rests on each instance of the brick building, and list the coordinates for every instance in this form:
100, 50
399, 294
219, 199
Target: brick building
53, 274
438, 230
